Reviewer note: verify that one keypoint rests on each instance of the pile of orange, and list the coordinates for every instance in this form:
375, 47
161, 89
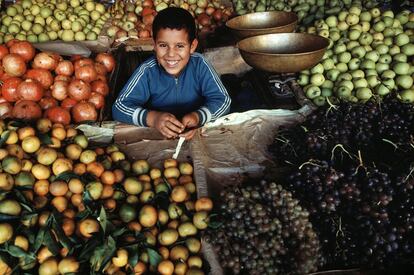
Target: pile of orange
68, 207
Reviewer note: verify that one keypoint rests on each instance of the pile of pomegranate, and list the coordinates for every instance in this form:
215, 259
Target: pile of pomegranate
43, 84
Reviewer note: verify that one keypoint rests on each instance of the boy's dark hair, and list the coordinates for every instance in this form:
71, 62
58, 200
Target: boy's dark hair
174, 18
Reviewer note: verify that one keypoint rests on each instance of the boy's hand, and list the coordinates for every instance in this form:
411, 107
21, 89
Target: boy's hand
190, 120
167, 124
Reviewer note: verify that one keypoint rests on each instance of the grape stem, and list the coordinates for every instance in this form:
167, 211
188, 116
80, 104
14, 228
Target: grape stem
409, 174
361, 163
310, 162
343, 149
390, 142
331, 106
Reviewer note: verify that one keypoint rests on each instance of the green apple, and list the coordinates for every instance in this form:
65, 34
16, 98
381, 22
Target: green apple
35, 9
319, 101
382, 49
389, 83
303, 79
382, 90
404, 81
388, 41
401, 68
354, 34
80, 36
381, 67
6, 20
388, 13
45, 12
360, 83
365, 26
344, 57
52, 35
344, 76
401, 39
352, 19
37, 28
358, 74
400, 57
372, 55
406, 96
378, 36
379, 26
343, 92
342, 67
100, 8
370, 72
26, 4
389, 32
13, 28
66, 24
332, 74
90, 6
317, 79
373, 81
39, 20
347, 83
358, 52
339, 48
354, 63
43, 37
312, 91
76, 26
11, 11
402, 17
394, 49
365, 16
342, 26
365, 38
331, 21
317, 69
328, 84
95, 15
91, 36
328, 64
388, 74
59, 15
385, 58
26, 25
32, 38
363, 93
74, 3
408, 49
68, 35
326, 92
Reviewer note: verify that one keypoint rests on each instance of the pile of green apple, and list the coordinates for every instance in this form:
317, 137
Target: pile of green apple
370, 55
307, 10
44, 20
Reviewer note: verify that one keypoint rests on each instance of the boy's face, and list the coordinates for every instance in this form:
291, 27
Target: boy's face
173, 49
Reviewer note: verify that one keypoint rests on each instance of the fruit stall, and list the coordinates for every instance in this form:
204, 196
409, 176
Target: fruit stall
311, 172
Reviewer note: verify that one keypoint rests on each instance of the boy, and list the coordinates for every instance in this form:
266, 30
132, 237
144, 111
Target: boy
176, 89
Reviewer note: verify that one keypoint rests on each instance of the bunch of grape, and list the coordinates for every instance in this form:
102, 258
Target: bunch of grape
350, 167
264, 231
354, 127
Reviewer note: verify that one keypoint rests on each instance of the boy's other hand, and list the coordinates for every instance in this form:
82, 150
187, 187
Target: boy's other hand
167, 124
190, 120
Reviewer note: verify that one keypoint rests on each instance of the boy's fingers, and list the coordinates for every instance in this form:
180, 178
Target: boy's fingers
174, 128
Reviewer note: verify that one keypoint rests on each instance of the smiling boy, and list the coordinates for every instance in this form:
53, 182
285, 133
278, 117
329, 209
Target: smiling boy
176, 88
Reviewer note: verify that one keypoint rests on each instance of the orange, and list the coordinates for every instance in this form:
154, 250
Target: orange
95, 168
119, 175
180, 268
110, 204
134, 226
15, 150
148, 216
185, 179
26, 165
60, 203
204, 203
140, 268
172, 181
22, 242
79, 168
99, 151
179, 253
46, 155
195, 261
121, 258
69, 213
48, 267
170, 163
185, 168
76, 199
43, 254
64, 252
43, 125
108, 177
58, 188
40, 171
68, 265
155, 173
61, 165
31, 144
73, 151
87, 156
68, 226
144, 177
71, 132
59, 133
107, 191
40, 201
165, 267
13, 137
43, 218
75, 186
56, 143
171, 172
6, 232
179, 193
88, 226
164, 252
190, 187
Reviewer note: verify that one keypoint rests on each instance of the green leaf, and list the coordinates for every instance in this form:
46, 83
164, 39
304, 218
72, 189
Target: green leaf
133, 255
44, 138
6, 218
87, 178
67, 176
86, 197
110, 248
118, 232
154, 257
15, 251
102, 219
62, 238
215, 224
18, 123
39, 238
85, 213
97, 257
88, 249
51, 243
4, 136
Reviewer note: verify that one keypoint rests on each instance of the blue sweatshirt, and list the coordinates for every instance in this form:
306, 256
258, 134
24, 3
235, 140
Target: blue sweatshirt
197, 88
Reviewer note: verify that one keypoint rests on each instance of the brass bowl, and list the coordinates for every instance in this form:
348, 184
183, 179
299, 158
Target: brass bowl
283, 52
258, 23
